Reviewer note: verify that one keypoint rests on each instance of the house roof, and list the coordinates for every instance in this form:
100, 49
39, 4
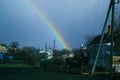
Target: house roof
96, 40
107, 38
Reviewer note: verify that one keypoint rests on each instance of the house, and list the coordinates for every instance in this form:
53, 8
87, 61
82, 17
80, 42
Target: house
104, 56
4, 53
1, 56
46, 54
3, 49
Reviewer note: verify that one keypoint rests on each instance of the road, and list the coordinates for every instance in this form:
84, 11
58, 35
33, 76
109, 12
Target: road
35, 74
39, 75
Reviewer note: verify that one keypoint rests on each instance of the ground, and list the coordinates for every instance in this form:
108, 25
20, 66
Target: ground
37, 74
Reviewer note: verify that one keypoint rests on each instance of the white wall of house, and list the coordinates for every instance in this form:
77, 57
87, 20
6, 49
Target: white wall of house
49, 54
3, 49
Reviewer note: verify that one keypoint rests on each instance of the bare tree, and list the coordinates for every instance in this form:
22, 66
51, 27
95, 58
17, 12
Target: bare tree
89, 39
14, 44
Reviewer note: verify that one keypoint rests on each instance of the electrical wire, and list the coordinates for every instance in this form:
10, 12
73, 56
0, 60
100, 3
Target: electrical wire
92, 11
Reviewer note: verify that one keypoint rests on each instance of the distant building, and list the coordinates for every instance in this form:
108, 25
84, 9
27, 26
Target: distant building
1, 55
46, 54
3, 49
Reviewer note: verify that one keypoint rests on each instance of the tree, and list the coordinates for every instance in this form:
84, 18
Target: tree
14, 44
31, 50
59, 53
64, 51
89, 39
77, 52
29, 54
13, 48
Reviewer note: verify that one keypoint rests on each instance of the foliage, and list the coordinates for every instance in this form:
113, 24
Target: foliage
14, 44
80, 53
77, 52
30, 50
59, 53
30, 54
89, 39
13, 48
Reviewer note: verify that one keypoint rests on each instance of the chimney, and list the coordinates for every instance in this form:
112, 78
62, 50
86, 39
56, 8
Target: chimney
109, 30
45, 47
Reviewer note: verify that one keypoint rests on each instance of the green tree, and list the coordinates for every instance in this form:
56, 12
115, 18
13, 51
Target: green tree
31, 50
13, 48
30, 54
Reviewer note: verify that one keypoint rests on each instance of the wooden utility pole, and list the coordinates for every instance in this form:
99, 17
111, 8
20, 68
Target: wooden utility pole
101, 40
112, 37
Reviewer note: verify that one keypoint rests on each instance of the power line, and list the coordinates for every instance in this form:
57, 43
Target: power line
92, 11
111, 7
99, 20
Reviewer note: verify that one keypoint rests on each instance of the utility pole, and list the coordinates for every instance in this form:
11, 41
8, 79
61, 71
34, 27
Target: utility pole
111, 6
112, 36
101, 40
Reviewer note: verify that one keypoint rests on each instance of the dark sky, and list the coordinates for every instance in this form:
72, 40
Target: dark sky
74, 19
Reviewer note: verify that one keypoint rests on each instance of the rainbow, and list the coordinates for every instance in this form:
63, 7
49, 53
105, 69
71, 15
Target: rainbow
49, 25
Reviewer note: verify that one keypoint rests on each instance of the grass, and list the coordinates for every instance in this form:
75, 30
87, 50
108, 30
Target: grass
15, 65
